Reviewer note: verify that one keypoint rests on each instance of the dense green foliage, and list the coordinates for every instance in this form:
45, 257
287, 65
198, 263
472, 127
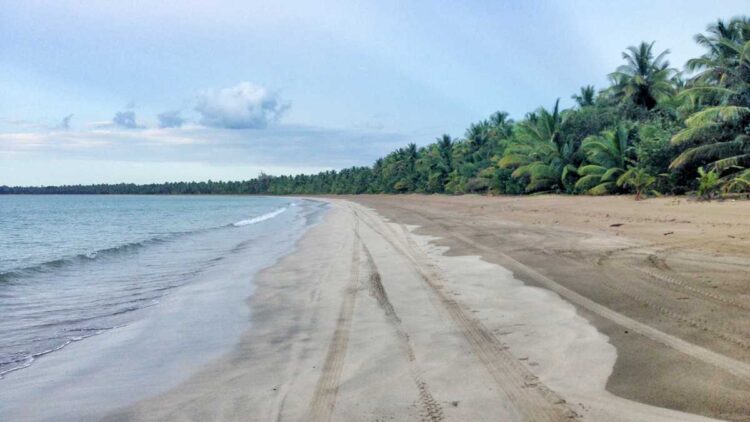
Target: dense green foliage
654, 129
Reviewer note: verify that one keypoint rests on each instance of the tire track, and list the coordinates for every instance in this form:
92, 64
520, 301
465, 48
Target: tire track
733, 366
655, 274
324, 398
658, 272
720, 361
431, 409
700, 323
530, 398
311, 317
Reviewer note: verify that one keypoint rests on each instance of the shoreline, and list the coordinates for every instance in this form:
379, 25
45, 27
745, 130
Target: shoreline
166, 344
388, 321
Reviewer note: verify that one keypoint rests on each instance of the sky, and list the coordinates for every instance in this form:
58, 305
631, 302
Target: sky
153, 91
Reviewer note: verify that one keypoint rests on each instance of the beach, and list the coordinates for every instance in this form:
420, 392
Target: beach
137, 303
375, 211
479, 308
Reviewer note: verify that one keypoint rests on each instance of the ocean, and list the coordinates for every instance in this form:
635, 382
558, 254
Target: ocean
119, 277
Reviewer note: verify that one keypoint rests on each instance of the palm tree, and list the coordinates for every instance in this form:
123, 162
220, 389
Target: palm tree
585, 97
739, 183
708, 182
725, 43
477, 134
645, 78
539, 152
717, 136
607, 155
484, 137
502, 126
436, 163
410, 155
445, 147
638, 179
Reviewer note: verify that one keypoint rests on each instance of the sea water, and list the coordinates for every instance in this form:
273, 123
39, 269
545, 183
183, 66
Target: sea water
107, 299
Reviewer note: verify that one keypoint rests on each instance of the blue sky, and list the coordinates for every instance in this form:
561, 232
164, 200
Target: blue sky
147, 91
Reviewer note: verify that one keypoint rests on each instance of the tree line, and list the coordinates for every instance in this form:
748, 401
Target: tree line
654, 130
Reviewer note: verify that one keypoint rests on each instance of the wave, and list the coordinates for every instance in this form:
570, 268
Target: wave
25, 360
260, 218
15, 274
84, 257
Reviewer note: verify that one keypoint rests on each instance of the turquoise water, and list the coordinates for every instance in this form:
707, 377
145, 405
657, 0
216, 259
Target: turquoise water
72, 267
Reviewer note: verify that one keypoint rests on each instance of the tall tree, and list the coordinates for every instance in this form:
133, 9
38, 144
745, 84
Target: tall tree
725, 43
644, 78
585, 97
718, 135
539, 153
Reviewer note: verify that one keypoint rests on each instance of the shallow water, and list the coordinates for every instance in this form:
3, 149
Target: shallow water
72, 267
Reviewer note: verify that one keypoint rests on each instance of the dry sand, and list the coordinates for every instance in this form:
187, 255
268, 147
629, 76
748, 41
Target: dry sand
474, 308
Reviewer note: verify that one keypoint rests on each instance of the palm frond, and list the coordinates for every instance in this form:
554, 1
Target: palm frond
601, 189
705, 90
711, 115
705, 153
611, 173
591, 170
741, 160
586, 182
691, 134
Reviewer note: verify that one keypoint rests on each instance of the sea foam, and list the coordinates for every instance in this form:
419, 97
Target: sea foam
260, 218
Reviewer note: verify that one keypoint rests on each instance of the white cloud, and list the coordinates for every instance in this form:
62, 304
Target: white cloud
243, 106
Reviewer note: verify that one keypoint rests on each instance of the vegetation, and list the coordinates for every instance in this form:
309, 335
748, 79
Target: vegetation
638, 179
607, 157
708, 183
654, 129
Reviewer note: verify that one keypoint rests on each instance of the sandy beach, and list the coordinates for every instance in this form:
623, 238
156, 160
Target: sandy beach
473, 308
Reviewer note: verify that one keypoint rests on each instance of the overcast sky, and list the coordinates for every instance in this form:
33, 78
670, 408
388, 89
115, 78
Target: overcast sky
151, 91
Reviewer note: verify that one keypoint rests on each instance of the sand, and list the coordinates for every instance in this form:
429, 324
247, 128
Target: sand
471, 308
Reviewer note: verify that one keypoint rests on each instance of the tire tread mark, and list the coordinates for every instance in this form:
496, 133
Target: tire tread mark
311, 317
528, 396
718, 360
431, 409
324, 397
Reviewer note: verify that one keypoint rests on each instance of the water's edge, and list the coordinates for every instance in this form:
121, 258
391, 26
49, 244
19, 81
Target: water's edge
193, 326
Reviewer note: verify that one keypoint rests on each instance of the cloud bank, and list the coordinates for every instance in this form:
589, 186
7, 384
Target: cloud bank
243, 106
287, 146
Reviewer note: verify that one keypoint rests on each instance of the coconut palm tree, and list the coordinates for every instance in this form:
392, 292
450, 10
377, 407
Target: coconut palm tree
645, 78
502, 125
718, 136
539, 152
585, 97
739, 183
445, 147
715, 136
435, 163
607, 156
638, 179
725, 43
708, 183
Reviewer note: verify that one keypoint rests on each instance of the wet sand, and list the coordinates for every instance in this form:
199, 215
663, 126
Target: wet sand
474, 308
676, 266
